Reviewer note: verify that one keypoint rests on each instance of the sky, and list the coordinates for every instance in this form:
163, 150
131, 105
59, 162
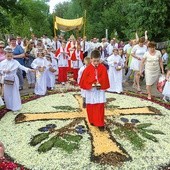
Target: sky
52, 4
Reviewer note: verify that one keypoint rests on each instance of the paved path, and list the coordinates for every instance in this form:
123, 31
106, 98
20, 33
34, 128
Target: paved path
126, 87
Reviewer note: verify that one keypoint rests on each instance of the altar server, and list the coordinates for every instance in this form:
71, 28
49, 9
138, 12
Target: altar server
95, 81
77, 61
62, 56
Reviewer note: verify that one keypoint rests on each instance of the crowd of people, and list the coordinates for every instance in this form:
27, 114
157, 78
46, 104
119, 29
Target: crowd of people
45, 62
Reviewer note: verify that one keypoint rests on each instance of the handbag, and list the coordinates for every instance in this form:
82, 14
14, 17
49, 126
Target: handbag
9, 80
161, 83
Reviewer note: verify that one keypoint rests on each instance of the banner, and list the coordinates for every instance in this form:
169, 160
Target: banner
68, 24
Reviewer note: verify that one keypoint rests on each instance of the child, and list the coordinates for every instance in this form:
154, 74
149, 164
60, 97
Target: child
63, 56
51, 70
86, 62
77, 61
2, 150
40, 65
30, 75
166, 90
116, 64
95, 81
8, 68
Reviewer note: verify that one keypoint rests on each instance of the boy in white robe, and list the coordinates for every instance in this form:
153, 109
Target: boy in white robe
8, 68
51, 72
116, 64
40, 64
80, 72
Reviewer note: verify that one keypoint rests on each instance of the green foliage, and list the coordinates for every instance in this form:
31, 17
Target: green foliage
65, 108
69, 147
19, 16
143, 125
48, 145
132, 136
67, 142
39, 138
122, 16
148, 136
72, 138
154, 131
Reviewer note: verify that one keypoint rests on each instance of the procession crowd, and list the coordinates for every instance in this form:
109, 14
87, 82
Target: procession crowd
96, 67
45, 62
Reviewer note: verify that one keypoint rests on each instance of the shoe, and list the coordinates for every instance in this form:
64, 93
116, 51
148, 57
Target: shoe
138, 89
84, 105
21, 88
102, 129
164, 98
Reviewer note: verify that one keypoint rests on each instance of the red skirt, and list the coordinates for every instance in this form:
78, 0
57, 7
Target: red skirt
95, 114
69, 69
62, 74
75, 73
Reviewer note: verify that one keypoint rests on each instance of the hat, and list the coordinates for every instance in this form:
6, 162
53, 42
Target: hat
72, 37
8, 50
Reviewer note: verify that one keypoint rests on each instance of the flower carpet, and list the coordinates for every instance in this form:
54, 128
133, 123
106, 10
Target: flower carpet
52, 133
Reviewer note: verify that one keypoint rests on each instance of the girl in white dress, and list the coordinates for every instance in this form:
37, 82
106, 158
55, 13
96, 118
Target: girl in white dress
137, 52
166, 90
51, 71
116, 64
40, 64
8, 68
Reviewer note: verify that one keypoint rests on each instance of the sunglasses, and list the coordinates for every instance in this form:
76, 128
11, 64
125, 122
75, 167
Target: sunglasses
2, 47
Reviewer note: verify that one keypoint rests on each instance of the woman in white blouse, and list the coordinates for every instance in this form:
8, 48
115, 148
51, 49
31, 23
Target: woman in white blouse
137, 52
153, 66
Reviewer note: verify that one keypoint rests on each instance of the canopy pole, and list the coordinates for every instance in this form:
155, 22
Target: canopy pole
84, 31
54, 24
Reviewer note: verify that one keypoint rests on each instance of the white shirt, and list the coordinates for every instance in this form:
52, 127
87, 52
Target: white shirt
53, 44
87, 46
126, 47
165, 58
46, 41
139, 51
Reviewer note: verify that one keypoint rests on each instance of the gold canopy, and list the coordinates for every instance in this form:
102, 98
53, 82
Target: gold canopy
68, 24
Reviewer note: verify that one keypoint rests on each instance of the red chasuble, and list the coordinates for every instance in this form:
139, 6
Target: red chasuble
93, 75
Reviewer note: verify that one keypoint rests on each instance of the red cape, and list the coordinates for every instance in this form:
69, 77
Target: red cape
73, 57
88, 77
59, 51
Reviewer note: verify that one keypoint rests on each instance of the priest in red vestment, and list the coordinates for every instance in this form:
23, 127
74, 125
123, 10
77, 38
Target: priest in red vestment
95, 82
